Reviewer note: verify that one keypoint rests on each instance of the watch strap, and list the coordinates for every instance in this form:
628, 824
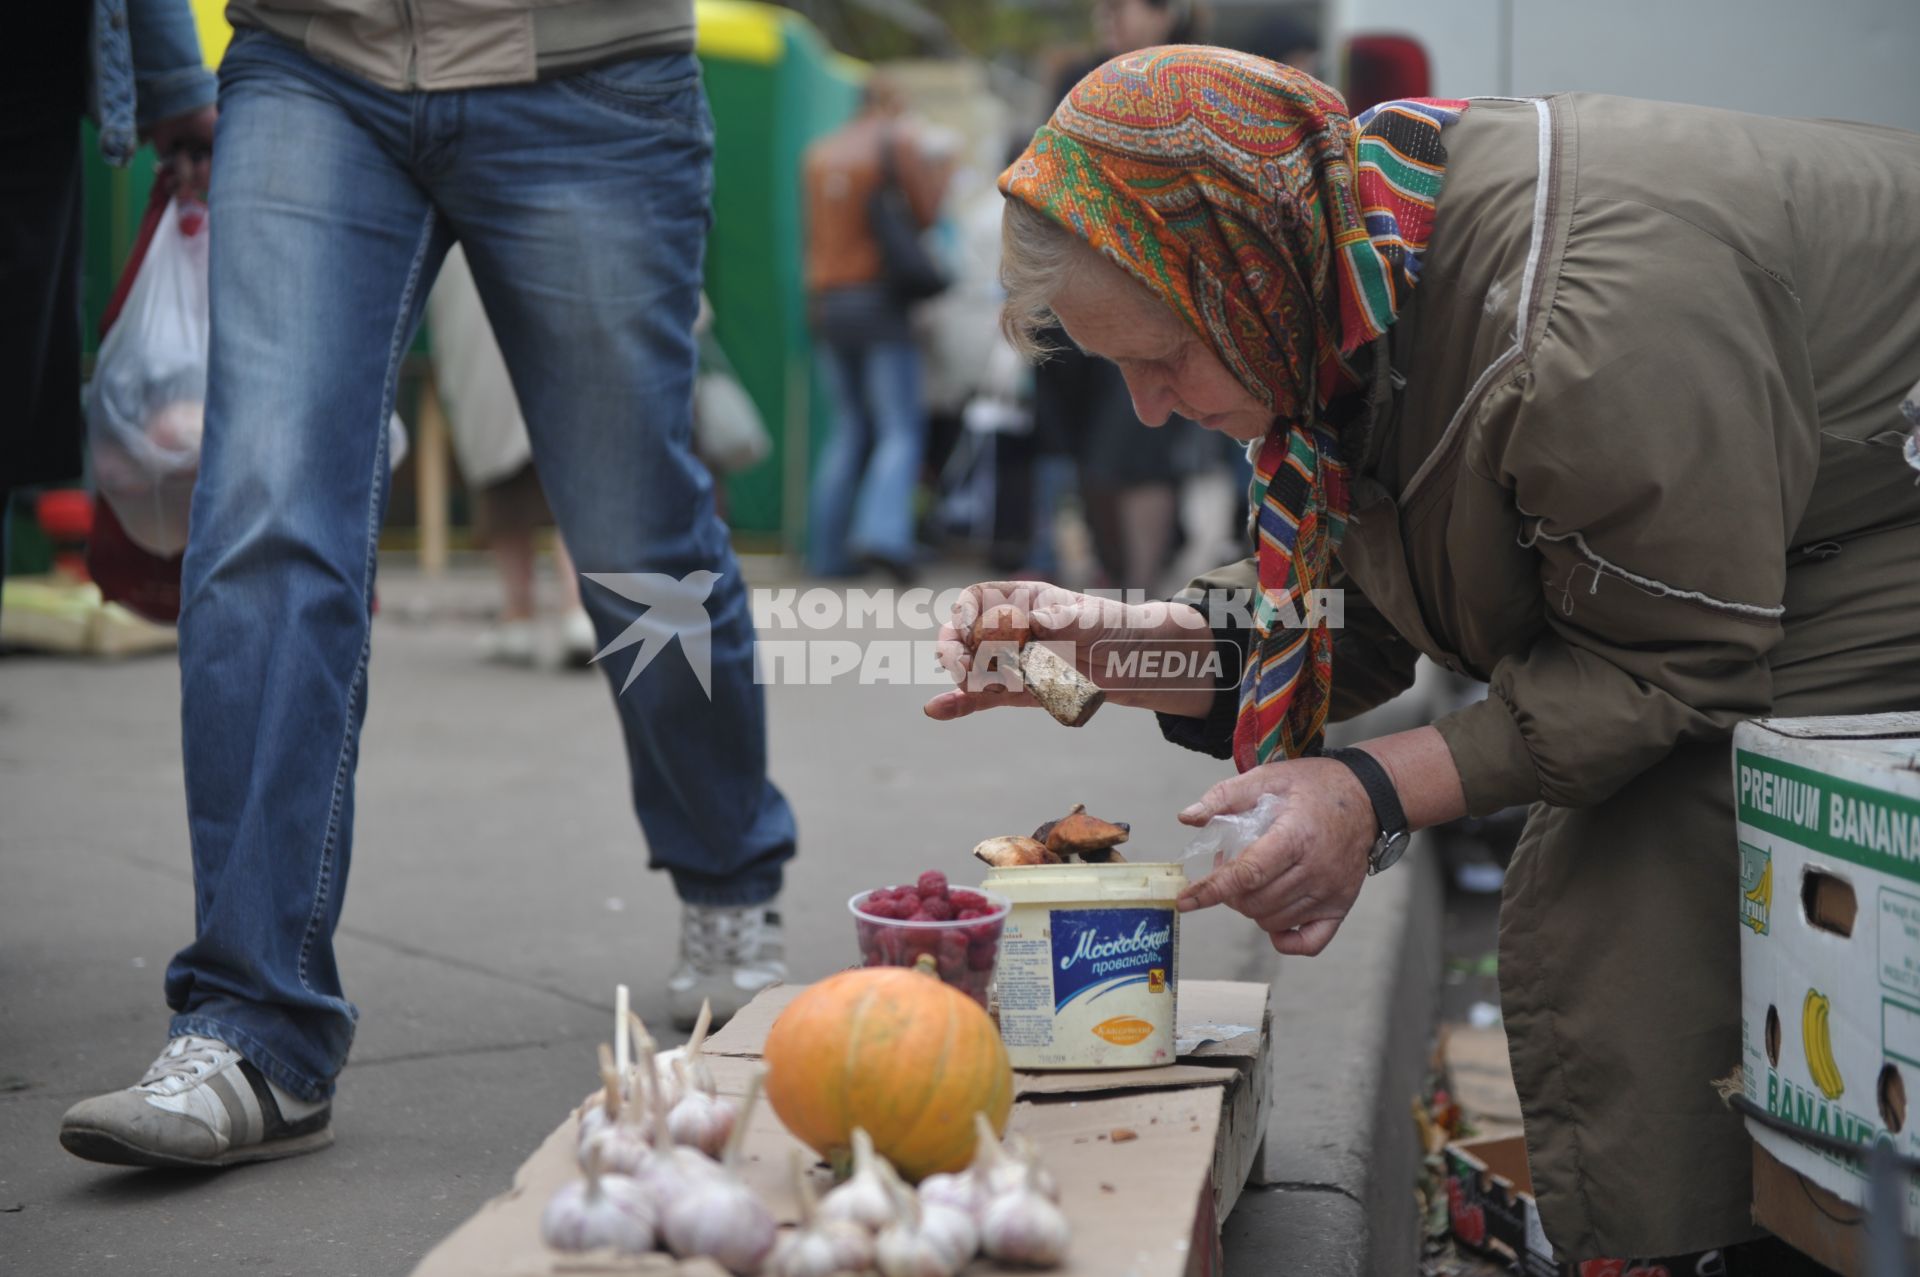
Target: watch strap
1387, 812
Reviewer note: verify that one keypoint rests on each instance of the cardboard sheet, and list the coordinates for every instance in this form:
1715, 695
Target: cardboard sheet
1149, 1161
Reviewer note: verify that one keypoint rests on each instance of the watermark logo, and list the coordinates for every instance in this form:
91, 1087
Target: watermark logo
888, 637
676, 609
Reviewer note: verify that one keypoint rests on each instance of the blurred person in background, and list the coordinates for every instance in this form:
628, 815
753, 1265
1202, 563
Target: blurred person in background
568, 147
862, 504
496, 460
1130, 479
135, 69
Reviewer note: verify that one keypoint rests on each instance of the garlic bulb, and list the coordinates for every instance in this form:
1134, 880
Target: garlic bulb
673, 1168
865, 1199
717, 1216
720, 1218
820, 1247
1022, 1226
620, 1143
1001, 1171
902, 1252
600, 1210
1027, 1157
964, 1192
923, 1240
700, 1119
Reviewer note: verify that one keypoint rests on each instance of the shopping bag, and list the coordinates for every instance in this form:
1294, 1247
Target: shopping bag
135, 578
146, 402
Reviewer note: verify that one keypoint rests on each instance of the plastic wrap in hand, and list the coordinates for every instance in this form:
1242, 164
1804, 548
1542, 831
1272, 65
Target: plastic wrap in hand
1223, 838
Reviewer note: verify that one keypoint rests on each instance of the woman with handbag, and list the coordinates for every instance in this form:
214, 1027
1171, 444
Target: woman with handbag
871, 187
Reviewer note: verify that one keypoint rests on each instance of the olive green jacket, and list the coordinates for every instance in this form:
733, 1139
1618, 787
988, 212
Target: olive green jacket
1637, 397
465, 44
1632, 458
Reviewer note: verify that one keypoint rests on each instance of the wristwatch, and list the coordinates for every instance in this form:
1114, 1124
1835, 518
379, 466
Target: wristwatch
1394, 836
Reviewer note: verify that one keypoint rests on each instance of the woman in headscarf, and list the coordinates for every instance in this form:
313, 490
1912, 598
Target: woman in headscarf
1593, 399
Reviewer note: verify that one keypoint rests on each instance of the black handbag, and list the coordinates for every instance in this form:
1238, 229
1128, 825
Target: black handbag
908, 268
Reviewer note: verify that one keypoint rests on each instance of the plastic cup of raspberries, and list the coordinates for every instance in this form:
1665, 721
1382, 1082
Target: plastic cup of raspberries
958, 927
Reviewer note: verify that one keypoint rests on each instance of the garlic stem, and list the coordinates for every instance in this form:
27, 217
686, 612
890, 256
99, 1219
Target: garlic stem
622, 1055
738, 1139
609, 1084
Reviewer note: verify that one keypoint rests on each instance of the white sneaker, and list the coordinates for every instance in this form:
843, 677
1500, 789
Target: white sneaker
578, 642
201, 1105
509, 643
727, 955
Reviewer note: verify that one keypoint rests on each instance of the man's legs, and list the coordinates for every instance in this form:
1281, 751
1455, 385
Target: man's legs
582, 204
322, 251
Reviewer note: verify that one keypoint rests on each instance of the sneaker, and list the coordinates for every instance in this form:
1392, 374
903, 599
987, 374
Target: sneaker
200, 1106
727, 955
578, 642
509, 643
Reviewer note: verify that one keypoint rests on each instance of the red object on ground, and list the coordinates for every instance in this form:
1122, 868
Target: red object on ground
66, 516
133, 577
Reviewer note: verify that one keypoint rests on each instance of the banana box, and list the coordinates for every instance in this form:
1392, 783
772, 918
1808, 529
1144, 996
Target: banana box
1829, 916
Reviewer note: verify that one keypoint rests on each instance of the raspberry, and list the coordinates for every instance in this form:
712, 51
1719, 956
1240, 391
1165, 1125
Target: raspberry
921, 915
968, 915
937, 908
964, 899
933, 883
985, 933
981, 953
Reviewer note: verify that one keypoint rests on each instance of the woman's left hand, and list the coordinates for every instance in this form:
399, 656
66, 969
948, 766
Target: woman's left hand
1298, 879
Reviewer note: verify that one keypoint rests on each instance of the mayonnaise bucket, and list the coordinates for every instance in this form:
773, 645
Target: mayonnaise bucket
1086, 974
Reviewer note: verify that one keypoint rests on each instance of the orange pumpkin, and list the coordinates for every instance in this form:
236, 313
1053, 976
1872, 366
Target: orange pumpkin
897, 1053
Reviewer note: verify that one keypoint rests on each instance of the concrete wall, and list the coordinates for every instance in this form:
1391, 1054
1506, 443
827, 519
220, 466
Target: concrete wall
1847, 59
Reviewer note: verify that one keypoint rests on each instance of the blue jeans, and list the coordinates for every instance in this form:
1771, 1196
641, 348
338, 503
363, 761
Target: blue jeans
583, 206
862, 503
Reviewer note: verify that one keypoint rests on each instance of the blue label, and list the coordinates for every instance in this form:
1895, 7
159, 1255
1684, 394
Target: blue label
1096, 951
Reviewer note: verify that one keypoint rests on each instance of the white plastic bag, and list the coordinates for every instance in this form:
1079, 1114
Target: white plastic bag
728, 432
1225, 838
147, 401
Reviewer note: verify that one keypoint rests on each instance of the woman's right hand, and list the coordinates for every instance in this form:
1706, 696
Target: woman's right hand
1098, 635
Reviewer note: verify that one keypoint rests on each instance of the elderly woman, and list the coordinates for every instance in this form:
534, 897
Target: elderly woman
1628, 453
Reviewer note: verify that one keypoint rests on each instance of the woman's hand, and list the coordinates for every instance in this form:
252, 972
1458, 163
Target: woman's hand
1298, 879
1087, 629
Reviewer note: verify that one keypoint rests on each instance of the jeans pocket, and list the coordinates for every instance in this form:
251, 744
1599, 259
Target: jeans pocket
662, 86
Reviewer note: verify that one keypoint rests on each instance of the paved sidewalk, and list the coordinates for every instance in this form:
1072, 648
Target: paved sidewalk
498, 892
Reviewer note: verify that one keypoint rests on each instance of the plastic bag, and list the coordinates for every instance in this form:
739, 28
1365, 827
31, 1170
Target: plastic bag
147, 401
1223, 839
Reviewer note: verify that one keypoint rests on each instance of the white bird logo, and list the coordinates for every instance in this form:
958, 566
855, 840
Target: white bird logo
676, 608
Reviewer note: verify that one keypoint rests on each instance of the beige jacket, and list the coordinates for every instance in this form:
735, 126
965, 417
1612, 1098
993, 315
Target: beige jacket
465, 44
1643, 478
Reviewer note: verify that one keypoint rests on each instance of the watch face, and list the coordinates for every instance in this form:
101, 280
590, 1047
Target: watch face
1389, 850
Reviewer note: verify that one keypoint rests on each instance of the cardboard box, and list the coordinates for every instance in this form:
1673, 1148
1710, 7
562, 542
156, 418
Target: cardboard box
1149, 1160
1492, 1211
1829, 910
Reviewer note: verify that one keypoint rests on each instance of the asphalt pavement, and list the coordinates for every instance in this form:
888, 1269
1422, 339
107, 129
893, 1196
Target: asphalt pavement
499, 890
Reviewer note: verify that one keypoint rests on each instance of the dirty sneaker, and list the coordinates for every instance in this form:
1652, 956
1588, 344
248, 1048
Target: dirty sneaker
727, 954
199, 1106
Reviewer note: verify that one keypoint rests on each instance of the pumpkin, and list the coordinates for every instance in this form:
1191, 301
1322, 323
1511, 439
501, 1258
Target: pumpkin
897, 1053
